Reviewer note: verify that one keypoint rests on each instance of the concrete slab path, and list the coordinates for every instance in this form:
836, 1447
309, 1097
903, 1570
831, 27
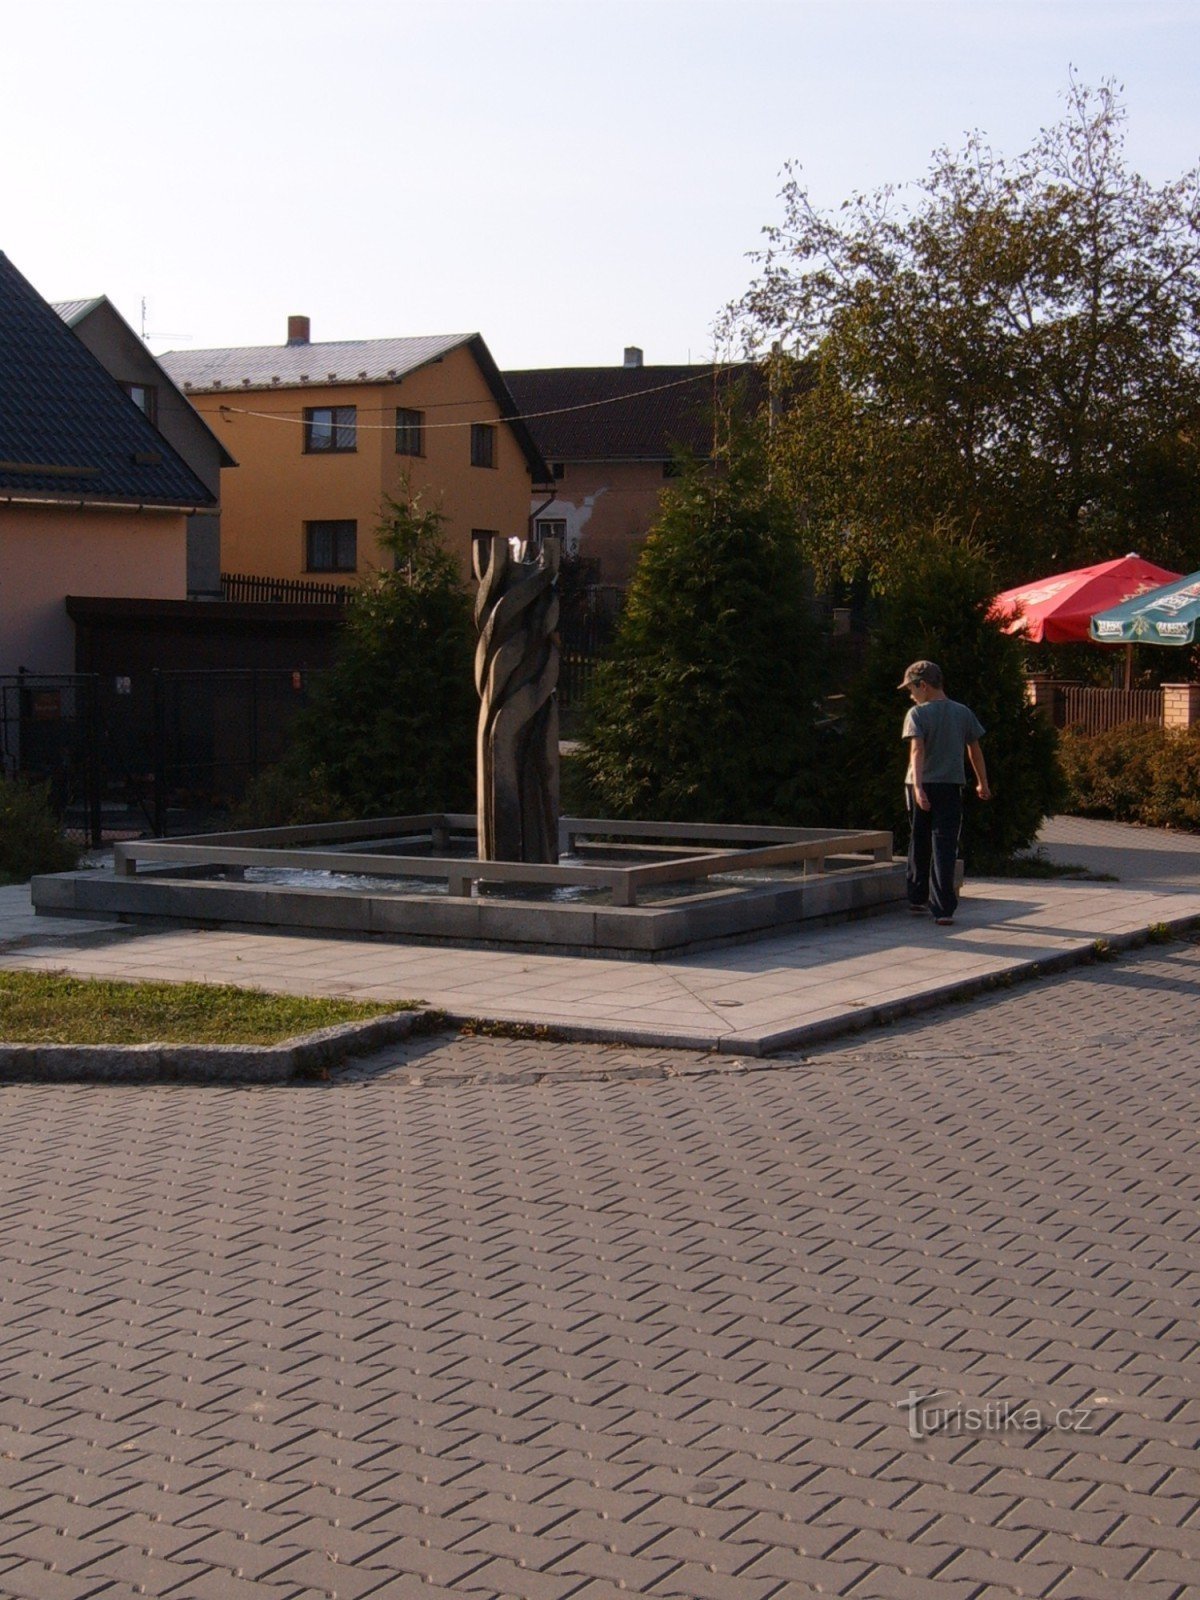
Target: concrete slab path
745, 999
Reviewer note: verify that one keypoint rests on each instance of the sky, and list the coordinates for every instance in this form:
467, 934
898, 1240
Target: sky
566, 177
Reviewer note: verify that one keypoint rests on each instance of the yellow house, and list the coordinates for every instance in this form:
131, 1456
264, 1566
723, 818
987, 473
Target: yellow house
323, 433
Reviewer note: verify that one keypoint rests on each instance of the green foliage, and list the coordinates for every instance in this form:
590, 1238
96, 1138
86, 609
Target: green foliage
288, 796
1007, 348
1139, 772
705, 710
30, 837
937, 611
390, 727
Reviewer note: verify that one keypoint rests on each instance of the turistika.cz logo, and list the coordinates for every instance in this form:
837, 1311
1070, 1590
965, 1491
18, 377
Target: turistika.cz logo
942, 1413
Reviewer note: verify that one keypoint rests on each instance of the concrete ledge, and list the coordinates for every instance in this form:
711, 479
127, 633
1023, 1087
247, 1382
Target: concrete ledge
202, 1063
724, 913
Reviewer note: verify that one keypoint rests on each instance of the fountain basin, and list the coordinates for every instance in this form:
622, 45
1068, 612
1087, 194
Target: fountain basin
640, 889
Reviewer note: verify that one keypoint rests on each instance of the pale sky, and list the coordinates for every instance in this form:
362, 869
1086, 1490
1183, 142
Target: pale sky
565, 177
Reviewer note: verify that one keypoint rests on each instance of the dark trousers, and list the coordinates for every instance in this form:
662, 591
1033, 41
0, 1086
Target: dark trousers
933, 847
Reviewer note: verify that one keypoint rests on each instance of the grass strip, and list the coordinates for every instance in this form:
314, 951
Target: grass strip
52, 1008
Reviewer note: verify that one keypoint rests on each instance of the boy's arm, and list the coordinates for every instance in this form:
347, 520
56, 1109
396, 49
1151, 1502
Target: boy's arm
918, 774
979, 767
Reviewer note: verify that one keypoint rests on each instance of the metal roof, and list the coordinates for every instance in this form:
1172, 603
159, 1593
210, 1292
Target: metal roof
73, 311
269, 366
345, 361
67, 429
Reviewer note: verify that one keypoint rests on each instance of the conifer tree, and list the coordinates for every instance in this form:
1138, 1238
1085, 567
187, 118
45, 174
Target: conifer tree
706, 709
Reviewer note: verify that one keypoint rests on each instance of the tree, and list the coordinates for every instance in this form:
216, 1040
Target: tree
705, 711
937, 610
1011, 354
391, 725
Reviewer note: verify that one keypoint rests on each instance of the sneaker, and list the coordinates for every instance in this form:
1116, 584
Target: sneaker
944, 922
919, 911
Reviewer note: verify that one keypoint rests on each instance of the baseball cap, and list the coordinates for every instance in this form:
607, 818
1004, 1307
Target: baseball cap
922, 672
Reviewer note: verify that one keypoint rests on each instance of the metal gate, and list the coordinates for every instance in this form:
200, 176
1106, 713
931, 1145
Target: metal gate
157, 752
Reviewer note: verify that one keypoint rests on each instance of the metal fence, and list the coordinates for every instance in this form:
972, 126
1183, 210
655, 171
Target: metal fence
50, 734
587, 626
160, 752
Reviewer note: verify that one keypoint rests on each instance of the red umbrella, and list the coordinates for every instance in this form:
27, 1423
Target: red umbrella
1059, 610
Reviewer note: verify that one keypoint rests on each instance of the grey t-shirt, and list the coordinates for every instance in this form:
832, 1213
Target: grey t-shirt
946, 728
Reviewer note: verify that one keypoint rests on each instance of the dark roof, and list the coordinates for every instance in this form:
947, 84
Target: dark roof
623, 413
77, 312
67, 429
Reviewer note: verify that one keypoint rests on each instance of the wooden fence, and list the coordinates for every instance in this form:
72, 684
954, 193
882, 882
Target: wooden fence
1097, 710
280, 591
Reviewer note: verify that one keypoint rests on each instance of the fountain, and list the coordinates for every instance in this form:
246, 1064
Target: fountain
516, 874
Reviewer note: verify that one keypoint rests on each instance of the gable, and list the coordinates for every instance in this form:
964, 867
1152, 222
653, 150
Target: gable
67, 430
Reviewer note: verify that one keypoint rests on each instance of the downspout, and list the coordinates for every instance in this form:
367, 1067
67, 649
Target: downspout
535, 514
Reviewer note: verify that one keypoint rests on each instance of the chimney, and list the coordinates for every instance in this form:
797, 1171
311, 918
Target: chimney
297, 330
633, 356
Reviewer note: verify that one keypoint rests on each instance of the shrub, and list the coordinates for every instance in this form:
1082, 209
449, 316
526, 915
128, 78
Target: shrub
1174, 797
390, 727
1139, 772
1110, 774
285, 796
30, 837
938, 611
705, 710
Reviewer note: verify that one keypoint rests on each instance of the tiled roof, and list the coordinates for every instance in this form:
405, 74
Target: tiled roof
66, 428
621, 413
266, 366
75, 314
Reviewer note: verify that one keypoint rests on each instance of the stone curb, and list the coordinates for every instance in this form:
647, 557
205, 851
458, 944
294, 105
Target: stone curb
854, 1020
204, 1063
962, 989
583, 1032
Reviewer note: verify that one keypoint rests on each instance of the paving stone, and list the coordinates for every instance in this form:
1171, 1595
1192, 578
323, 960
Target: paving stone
654, 1330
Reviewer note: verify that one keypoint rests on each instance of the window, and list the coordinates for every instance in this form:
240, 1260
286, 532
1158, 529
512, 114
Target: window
558, 470
331, 546
145, 398
329, 429
552, 528
410, 432
483, 444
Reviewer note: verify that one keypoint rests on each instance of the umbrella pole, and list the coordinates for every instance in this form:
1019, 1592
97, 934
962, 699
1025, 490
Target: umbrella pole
1128, 668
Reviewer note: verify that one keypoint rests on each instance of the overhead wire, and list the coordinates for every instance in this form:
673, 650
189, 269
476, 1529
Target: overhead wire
525, 416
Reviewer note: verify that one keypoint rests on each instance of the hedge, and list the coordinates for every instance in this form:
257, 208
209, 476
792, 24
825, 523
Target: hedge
1139, 772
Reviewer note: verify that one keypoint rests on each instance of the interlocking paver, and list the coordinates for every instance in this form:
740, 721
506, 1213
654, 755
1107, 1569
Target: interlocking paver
476, 1338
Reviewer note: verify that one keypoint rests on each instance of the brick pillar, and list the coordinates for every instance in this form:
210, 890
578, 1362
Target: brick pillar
1039, 692
1181, 705
1045, 694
